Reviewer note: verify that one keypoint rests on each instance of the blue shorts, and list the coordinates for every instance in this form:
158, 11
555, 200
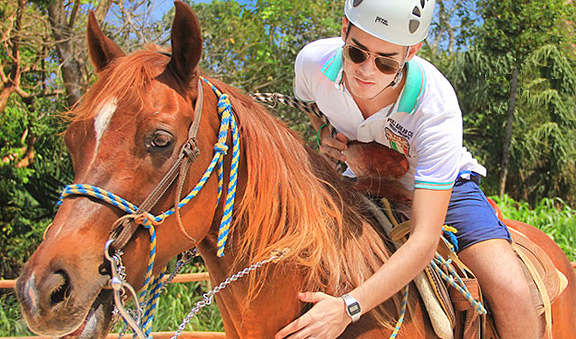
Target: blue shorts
470, 213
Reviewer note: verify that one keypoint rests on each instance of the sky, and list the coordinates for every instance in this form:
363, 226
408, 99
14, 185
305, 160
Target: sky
160, 7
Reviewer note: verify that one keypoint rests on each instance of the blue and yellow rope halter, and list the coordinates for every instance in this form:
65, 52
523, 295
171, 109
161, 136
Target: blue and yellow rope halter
149, 221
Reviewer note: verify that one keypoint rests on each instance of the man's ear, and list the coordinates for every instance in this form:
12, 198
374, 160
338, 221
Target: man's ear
413, 50
344, 31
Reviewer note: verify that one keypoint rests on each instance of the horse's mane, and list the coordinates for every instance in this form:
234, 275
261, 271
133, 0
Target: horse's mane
294, 200
125, 77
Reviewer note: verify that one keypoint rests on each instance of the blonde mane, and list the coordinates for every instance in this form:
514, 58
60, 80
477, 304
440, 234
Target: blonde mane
295, 201
127, 77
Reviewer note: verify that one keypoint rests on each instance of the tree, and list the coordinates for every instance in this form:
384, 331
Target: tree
253, 46
516, 88
515, 30
44, 71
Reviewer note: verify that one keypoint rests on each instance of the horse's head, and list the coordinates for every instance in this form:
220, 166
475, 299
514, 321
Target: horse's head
127, 133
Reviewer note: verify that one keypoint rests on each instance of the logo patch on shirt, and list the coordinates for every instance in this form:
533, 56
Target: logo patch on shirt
397, 142
398, 136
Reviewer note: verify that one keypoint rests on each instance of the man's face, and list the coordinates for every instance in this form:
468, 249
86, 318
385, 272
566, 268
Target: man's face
364, 80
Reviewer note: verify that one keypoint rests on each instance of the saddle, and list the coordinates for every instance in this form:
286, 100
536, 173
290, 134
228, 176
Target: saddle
452, 314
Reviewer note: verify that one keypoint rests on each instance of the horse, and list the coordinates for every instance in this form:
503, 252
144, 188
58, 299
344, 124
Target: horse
125, 137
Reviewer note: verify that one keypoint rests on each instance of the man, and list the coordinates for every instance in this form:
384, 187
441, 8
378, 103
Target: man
372, 87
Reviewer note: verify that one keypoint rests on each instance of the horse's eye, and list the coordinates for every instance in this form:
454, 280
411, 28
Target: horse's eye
161, 139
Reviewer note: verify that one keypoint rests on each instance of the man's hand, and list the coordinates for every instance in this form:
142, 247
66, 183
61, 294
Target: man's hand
326, 320
333, 147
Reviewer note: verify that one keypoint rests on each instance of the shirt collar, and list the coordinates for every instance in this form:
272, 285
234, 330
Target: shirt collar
413, 88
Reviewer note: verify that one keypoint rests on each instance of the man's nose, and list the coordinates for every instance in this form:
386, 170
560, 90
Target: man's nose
368, 66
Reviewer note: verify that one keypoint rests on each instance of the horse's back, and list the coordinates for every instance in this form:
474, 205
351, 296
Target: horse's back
564, 308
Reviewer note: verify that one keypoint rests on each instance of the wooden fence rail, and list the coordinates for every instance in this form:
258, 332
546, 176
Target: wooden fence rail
158, 335
189, 277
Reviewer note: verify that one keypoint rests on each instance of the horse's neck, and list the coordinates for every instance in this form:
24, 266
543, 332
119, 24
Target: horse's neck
275, 305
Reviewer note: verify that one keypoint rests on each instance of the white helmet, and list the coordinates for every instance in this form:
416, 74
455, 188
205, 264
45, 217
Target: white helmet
401, 22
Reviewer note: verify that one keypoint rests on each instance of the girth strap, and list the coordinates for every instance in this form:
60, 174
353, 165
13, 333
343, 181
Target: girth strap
124, 231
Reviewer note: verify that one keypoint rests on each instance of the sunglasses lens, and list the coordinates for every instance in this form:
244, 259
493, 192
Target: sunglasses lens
358, 56
386, 65
354, 54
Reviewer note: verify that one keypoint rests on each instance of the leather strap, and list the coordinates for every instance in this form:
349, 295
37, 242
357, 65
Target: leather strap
541, 288
189, 152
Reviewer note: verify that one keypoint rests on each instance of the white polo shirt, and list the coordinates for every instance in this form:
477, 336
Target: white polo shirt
425, 124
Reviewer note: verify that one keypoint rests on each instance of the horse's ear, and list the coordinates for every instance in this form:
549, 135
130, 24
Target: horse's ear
186, 42
102, 50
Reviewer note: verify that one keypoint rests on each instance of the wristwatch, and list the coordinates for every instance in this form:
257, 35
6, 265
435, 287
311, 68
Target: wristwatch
352, 307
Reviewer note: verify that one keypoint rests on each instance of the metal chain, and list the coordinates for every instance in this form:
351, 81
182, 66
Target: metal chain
208, 297
187, 256
119, 284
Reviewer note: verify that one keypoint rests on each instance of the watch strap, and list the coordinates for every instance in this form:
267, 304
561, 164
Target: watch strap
353, 308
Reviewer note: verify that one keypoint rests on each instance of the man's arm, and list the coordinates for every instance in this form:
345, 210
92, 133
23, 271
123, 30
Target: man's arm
427, 218
328, 318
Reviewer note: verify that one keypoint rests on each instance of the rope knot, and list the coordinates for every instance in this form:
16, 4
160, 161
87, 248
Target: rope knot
221, 148
278, 254
147, 220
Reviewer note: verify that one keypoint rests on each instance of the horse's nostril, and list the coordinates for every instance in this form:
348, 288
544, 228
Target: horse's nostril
60, 287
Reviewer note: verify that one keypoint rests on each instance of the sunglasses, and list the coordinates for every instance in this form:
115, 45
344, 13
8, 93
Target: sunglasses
384, 64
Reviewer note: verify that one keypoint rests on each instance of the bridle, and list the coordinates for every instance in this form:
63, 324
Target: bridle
188, 154
125, 227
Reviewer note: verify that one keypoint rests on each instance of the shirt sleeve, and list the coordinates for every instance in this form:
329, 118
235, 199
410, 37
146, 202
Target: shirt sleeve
438, 148
302, 66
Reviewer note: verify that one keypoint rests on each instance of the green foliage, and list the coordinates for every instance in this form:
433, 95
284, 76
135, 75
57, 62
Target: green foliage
28, 194
517, 27
177, 301
553, 216
535, 38
11, 322
254, 46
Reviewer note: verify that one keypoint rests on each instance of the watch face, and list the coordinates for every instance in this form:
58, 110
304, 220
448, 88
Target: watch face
354, 308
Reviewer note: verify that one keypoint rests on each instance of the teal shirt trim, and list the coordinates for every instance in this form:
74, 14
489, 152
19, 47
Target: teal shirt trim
333, 67
413, 89
440, 186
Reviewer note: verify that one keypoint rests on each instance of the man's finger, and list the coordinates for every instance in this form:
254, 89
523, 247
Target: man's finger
294, 326
342, 138
335, 143
311, 297
333, 153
